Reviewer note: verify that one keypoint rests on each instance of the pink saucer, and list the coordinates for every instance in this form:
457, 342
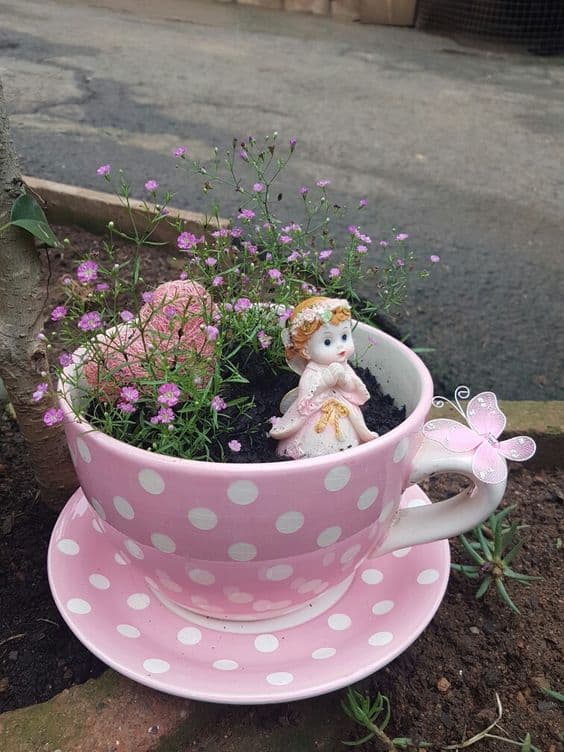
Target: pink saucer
122, 620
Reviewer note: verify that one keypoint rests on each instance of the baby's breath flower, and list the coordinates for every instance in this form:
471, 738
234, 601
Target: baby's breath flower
169, 395
58, 313
151, 185
212, 332
87, 271
217, 281
40, 392
234, 445
104, 169
402, 236
218, 404
53, 416
334, 272
434, 259
258, 187
90, 321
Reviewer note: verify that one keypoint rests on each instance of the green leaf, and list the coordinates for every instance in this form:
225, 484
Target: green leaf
484, 587
27, 214
504, 595
526, 746
553, 694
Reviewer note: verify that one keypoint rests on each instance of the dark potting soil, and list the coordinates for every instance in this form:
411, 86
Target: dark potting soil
440, 689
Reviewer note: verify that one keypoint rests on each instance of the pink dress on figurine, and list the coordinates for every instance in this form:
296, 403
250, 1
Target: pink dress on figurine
325, 416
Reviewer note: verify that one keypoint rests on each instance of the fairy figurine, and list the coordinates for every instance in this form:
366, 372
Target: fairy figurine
325, 416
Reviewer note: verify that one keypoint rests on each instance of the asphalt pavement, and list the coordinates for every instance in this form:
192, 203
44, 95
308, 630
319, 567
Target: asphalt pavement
461, 147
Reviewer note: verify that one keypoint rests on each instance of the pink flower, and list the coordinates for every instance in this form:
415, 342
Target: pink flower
400, 262
402, 236
183, 276
90, 321
294, 256
243, 304
334, 272
126, 316
218, 403
104, 169
217, 281
250, 248
362, 203
276, 276
236, 232
384, 244
180, 151
58, 313
53, 416
65, 359
87, 271
222, 233
126, 407
293, 143
258, 187
323, 183
151, 185
362, 249
168, 395
304, 190
247, 214
187, 240
165, 415
284, 239
352, 230
211, 261
212, 332
102, 287
40, 392
129, 393
170, 312
147, 297
265, 340
244, 156
323, 255
234, 445
434, 259
292, 227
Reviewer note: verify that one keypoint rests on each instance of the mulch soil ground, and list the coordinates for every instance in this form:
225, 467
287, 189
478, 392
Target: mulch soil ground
443, 688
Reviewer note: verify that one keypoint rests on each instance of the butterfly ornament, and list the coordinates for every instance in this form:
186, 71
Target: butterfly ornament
485, 424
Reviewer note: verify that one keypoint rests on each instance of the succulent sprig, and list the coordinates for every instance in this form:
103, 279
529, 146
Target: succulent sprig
493, 546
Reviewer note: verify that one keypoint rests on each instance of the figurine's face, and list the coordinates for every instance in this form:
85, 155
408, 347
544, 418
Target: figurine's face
330, 344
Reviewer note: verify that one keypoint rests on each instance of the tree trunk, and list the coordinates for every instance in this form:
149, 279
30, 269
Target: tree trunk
23, 358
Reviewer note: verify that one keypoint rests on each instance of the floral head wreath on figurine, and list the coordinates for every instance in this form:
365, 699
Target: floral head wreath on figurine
306, 318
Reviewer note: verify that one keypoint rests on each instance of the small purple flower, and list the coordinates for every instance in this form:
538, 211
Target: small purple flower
151, 185
170, 312
324, 255
126, 407
234, 445
129, 393
243, 304
126, 316
236, 232
250, 248
258, 187
183, 276
362, 203
246, 214
53, 416
165, 415
304, 190
334, 272
147, 297
211, 261
104, 169
168, 395
180, 151
40, 392
294, 256
65, 359
187, 240
284, 239
384, 243
293, 143
212, 332
102, 287
58, 313
67, 280
283, 316
222, 233
323, 183
276, 276
400, 262
217, 281
402, 236
218, 403
244, 156
274, 420
265, 340
362, 249
352, 230
87, 271
434, 259
90, 321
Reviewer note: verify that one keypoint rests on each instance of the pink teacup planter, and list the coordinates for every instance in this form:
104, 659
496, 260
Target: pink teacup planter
244, 542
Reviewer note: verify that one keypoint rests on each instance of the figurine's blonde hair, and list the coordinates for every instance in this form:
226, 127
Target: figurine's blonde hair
300, 333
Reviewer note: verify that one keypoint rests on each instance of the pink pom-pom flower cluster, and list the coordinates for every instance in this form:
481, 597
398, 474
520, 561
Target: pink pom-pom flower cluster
170, 333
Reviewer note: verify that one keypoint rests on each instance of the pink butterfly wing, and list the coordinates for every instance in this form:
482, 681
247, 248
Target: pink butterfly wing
488, 465
451, 434
484, 415
520, 448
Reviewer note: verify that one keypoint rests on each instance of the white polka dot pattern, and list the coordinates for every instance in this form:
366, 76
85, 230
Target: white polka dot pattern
79, 606
379, 639
134, 549
401, 450
279, 572
242, 492
156, 666
337, 478
203, 518
290, 522
427, 577
189, 636
68, 546
242, 551
127, 630
322, 653
225, 664
339, 622
163, 542
99, 581
138, 601
123, 508
151, 481
280, 678
329, 536
266, 643
83, 450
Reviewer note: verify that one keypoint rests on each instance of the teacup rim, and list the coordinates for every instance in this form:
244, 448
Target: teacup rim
407, 427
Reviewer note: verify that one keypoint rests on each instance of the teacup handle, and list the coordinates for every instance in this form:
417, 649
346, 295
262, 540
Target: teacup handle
444, 519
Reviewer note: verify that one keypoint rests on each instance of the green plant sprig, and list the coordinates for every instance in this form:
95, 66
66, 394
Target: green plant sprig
493, 547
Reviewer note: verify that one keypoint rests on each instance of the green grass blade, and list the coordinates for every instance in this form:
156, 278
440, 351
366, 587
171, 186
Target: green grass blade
504, 595
484, 587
